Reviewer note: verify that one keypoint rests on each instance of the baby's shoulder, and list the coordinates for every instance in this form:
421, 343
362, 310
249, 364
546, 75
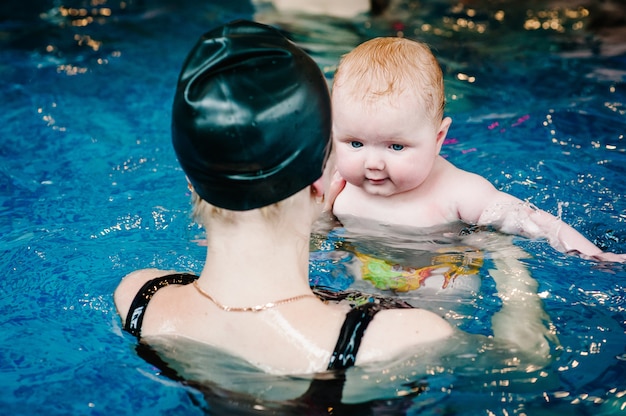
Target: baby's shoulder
449, 170
462, 181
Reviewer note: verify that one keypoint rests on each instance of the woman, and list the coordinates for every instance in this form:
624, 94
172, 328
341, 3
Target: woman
251, 129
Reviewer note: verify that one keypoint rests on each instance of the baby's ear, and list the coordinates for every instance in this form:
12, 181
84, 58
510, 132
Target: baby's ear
442, 132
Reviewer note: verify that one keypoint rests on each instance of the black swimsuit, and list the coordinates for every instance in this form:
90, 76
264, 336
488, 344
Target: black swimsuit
364, 308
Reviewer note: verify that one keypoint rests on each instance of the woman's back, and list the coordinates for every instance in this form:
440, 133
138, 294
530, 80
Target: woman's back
297, 337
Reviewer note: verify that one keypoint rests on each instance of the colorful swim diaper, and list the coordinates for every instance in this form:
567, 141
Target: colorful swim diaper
386, 275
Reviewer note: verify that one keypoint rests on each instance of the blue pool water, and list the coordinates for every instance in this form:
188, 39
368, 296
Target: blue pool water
90, 188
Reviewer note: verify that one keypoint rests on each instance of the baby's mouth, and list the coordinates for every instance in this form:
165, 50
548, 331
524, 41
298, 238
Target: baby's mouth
376, 181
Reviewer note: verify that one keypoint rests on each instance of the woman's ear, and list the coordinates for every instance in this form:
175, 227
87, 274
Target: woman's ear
189, 185
317, 190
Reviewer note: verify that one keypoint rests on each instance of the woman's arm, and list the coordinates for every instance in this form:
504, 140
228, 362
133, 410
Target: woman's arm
522, 319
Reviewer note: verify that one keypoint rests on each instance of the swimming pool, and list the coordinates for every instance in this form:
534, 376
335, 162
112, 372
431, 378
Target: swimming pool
91, 189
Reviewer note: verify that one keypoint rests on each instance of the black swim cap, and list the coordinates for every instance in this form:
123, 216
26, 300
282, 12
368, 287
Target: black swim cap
251, 117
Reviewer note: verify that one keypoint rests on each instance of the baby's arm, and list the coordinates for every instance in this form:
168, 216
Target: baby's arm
514, 216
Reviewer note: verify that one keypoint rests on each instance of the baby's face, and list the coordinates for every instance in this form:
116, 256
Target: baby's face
386, 147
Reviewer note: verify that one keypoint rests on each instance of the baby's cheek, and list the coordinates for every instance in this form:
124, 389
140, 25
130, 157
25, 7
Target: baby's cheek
402, 174
345, 173
344, 162
350, 173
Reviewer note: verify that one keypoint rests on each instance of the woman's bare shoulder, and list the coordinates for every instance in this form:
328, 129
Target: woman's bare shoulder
130, 285
394, 331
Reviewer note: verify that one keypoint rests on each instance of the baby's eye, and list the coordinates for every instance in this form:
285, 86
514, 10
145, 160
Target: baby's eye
397, 147
356, 144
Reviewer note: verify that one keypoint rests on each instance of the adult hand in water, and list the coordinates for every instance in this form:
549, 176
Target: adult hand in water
336, 185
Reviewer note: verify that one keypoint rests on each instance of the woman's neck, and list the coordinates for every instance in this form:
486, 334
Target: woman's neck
256, 260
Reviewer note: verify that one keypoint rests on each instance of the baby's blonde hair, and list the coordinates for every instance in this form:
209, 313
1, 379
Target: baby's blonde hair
388, 67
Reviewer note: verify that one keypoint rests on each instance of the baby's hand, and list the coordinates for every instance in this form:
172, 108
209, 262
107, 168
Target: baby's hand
610, 257
337, 183
603, 256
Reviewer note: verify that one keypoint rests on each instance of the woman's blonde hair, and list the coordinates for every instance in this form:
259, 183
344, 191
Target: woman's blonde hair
388, 67
202, 212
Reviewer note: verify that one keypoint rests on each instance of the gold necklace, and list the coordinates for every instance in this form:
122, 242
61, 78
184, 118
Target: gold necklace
257, 308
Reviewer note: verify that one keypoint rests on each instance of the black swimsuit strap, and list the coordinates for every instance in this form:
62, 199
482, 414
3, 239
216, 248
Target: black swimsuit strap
352, 331
135, 315
364, 308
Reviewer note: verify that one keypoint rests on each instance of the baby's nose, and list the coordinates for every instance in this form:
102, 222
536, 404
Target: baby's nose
373, 161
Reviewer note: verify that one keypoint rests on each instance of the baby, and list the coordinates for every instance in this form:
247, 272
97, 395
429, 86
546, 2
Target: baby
388, 129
